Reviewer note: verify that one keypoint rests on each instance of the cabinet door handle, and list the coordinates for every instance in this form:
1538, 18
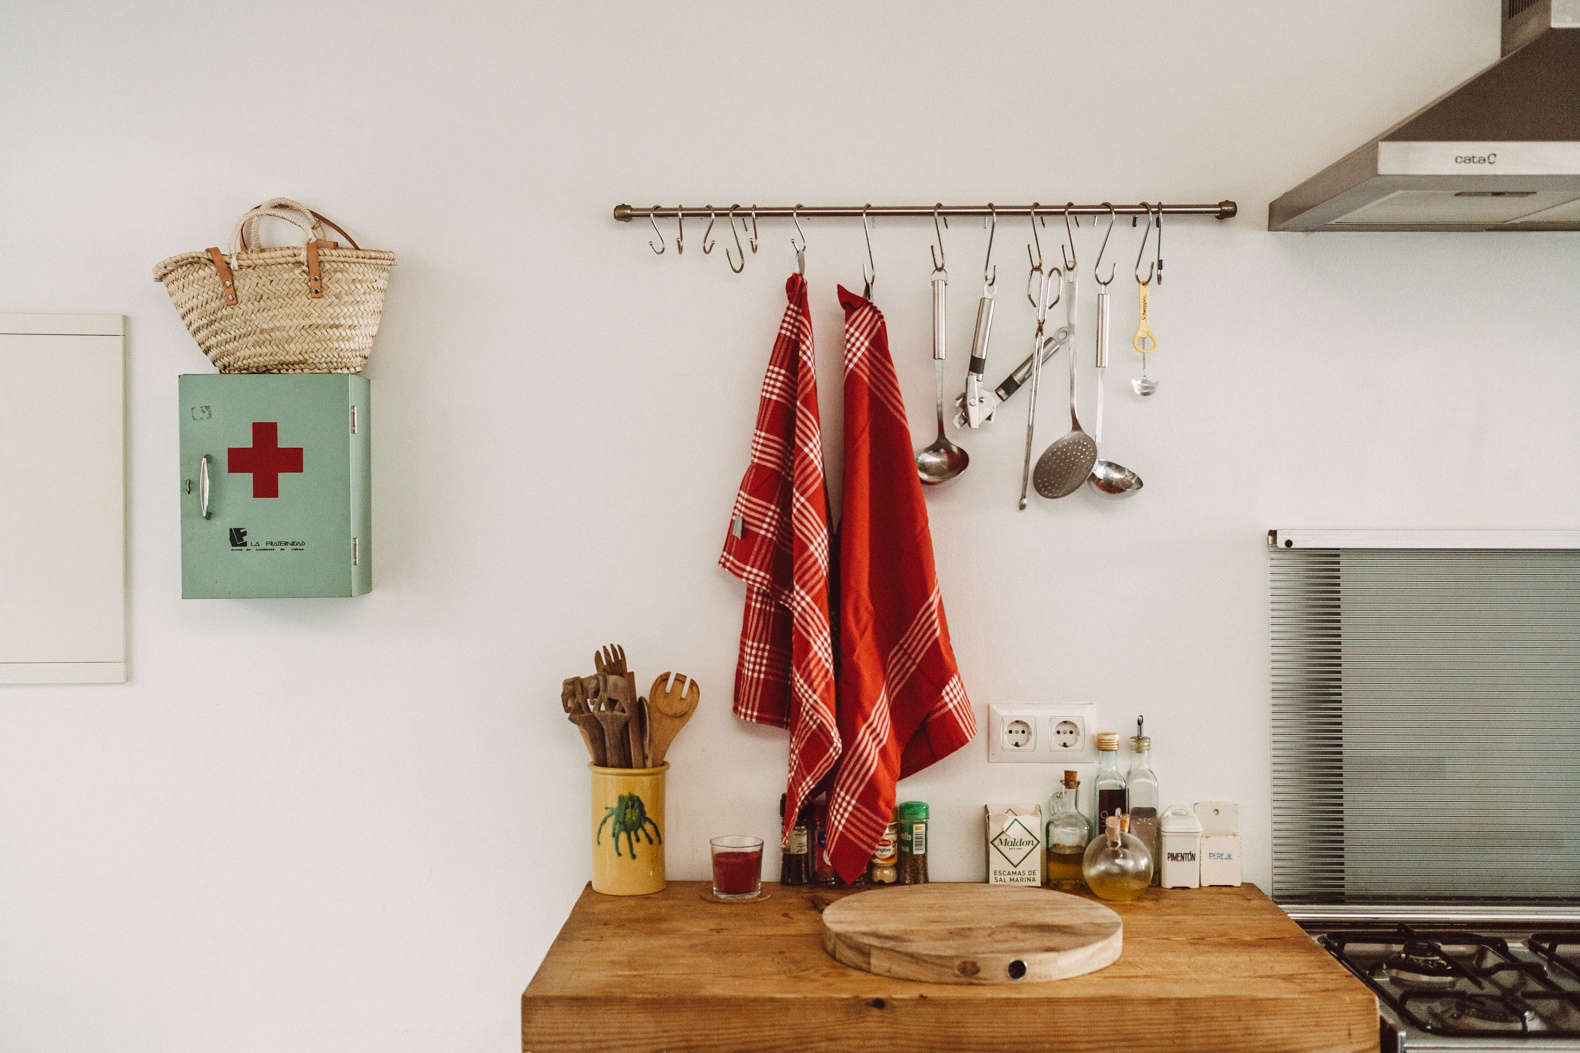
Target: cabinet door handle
203, 487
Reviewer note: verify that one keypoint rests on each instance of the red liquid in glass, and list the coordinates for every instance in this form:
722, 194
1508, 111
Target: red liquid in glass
736, 872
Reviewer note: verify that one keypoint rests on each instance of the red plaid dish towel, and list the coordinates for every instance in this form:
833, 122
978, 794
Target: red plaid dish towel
901, 703
778, 545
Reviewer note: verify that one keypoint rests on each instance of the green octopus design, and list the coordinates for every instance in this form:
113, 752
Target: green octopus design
630, 816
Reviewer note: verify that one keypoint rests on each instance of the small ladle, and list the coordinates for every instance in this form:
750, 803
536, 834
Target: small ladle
1110, 478
943, 460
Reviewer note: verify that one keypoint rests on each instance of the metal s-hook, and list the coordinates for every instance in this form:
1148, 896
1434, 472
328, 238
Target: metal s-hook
1036, 261
707, 242
1142, 251
1112, 215
1159, 243
800, 250
752, 240
680, 230
1069, 235
990, 277
658, 250
938, 254
736, 234
869, 270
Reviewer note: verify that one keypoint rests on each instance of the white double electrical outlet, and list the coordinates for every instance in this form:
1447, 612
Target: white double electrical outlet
1042, 732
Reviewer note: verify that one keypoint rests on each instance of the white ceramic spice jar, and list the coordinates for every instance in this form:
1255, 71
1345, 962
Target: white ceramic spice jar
1179, 840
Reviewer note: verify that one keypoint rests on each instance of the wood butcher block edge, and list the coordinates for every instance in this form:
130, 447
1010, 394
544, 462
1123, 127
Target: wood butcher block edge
1213, 969
972, 934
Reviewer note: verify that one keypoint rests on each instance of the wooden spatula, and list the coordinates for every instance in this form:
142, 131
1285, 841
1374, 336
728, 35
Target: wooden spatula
670, 704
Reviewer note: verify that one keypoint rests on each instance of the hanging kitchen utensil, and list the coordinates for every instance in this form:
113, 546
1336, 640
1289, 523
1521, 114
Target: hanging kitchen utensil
943, 460
1037, 283
670, 704
1068, 461
1144, 342
975, 401
991, 401
1108, 477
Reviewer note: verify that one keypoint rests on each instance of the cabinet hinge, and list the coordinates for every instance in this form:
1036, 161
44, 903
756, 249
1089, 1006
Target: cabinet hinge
353, 420
356, 552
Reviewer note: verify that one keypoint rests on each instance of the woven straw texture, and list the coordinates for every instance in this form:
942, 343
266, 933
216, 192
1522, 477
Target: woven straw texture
275, 327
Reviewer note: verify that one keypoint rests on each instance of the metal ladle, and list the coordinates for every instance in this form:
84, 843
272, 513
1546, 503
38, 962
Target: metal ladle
1107, 477
943, 460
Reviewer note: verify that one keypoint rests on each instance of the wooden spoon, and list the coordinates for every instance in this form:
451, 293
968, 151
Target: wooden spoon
670, 705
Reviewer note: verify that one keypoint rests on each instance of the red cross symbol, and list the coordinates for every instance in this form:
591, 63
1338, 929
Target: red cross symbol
264, 459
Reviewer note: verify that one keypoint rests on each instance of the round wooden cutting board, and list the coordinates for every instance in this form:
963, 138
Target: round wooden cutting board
972, 934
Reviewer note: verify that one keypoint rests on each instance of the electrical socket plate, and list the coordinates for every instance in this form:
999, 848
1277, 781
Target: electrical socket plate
1042, 733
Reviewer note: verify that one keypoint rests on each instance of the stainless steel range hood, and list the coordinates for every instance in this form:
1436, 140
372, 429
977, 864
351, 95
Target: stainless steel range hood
1499, 152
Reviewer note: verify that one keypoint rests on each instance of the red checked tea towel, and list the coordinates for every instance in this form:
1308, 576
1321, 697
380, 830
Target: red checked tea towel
778, 545
901, 703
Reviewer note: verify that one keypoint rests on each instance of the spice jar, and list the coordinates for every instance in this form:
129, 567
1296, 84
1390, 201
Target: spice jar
793, 861
912, 818
884, 869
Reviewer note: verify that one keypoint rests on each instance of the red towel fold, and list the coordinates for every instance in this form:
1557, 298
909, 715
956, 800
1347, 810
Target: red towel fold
901, 703
778, 545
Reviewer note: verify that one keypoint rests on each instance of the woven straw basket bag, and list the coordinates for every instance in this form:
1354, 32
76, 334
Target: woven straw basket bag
309, 309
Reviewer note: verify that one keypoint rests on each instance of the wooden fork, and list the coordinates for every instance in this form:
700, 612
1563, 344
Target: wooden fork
610, 661
669, 705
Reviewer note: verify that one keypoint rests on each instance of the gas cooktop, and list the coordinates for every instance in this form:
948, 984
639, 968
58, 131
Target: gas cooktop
1465, 986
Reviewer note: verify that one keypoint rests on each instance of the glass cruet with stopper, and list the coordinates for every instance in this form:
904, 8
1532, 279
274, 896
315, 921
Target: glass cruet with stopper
1068, 833
1108, 788
1117, 866
1141, 788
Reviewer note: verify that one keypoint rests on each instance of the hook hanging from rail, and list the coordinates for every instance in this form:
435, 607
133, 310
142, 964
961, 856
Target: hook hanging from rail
680, 230
707, 242
1033, 278
1069, 235
1097, 267
1141, 251
658, 250
869, 270
739, 252
1159, 243
990, 278
752, 238
938, 256
800, 250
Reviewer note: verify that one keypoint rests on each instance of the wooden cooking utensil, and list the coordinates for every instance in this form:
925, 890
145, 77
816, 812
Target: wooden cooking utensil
957, 934
573, 696
611, 661
612, 708
670, 704
636, 731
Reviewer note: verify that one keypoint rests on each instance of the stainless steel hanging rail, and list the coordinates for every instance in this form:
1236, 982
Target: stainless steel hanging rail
626, 213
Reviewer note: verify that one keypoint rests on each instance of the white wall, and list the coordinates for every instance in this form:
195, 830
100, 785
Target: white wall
356, 825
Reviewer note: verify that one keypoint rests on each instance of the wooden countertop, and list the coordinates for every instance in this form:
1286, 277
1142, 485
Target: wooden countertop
1202, 969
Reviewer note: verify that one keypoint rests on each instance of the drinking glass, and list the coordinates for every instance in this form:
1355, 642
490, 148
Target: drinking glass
737, 866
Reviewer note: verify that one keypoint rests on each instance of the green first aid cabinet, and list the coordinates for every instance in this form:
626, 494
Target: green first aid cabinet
275, 497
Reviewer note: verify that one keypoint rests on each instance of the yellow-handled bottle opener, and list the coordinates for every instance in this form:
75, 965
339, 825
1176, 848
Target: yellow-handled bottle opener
1143, 341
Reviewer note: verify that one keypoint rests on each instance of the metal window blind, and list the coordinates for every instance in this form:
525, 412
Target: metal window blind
1426, 723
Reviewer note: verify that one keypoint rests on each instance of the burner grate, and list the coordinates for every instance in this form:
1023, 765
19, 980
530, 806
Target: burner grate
1461, 983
